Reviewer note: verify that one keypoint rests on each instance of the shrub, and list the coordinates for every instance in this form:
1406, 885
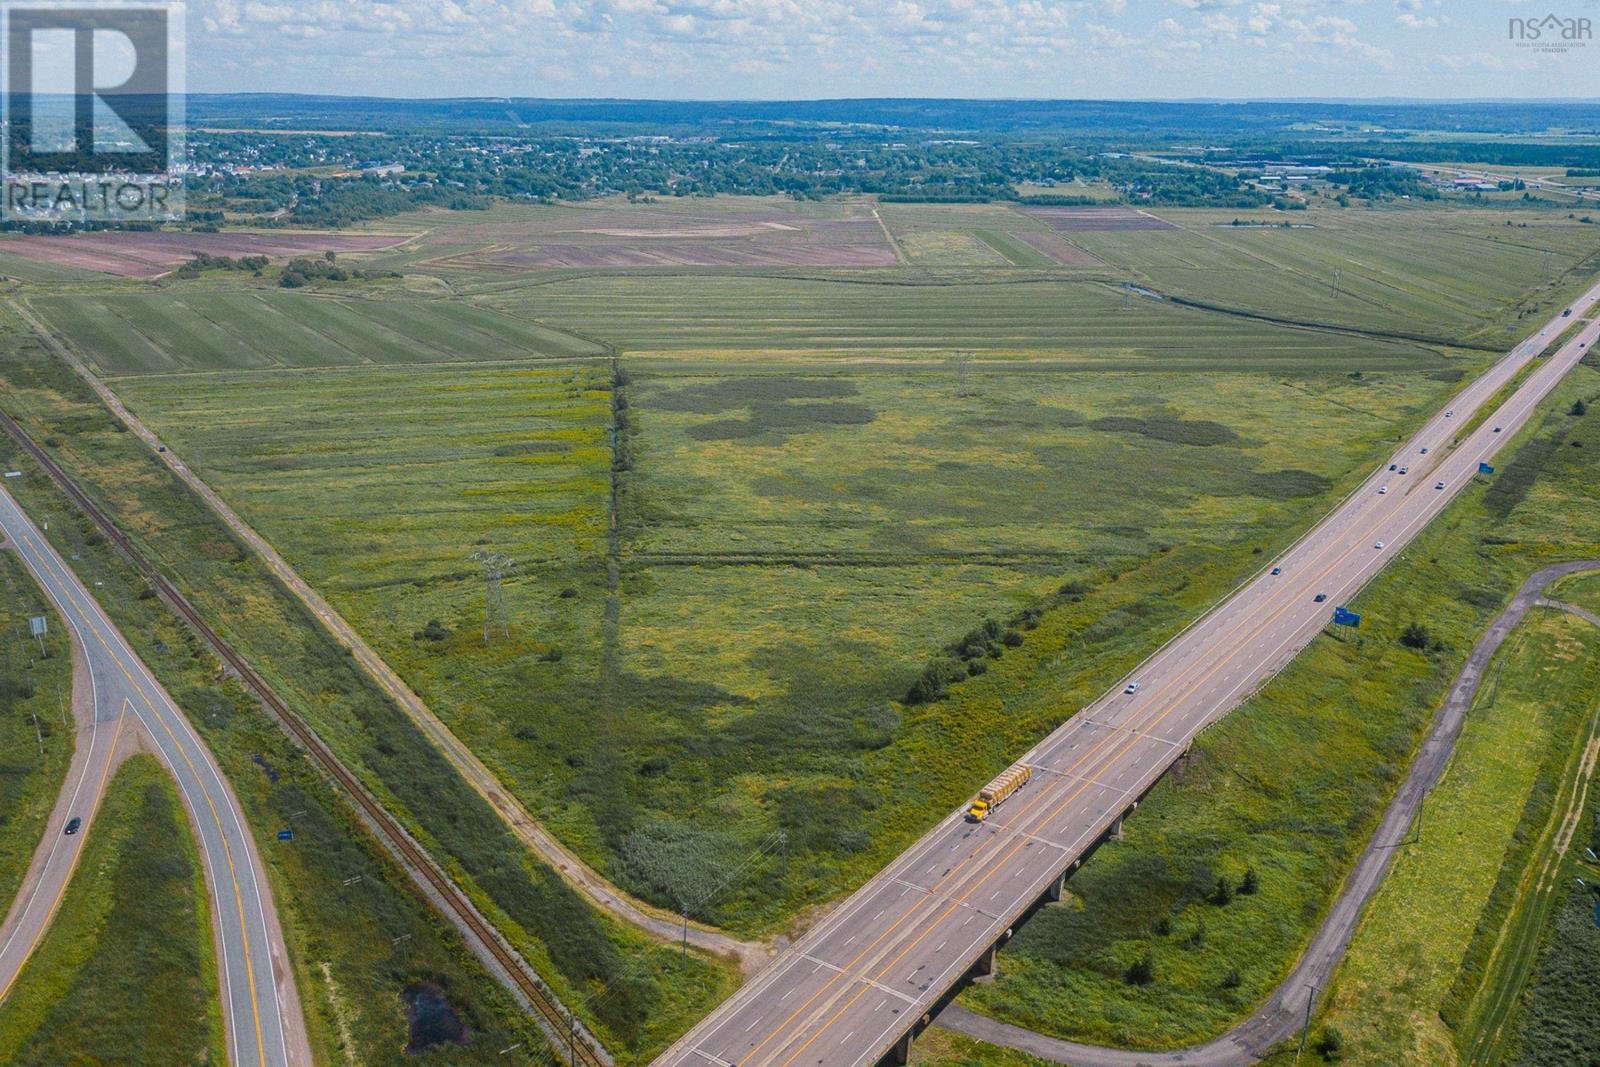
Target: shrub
1222, 894
434, 631
1251, 884
1141, 971
1233, 979
1416, 636
1329, 1044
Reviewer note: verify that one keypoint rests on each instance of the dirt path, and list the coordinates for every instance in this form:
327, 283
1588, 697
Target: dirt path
1285, 1011
521, 823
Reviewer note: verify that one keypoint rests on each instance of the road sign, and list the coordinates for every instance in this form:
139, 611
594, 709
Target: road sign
13, 474
1344, 617
285, 835
38, 626
1597, 913
1484, 468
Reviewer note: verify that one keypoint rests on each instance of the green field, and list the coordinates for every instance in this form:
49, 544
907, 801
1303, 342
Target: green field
197, 327
126, 972
1463, 275
636, 996
791, 548
1292, 784
1410, 952
36, 733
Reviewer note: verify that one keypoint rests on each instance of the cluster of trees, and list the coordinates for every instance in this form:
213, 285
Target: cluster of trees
302, 272
204, 261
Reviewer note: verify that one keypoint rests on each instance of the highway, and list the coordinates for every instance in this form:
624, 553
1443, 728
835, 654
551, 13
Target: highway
848, 992
260, 1007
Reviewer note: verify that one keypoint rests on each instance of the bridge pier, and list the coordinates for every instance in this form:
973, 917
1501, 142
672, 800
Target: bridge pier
900, 1055
1057, 889
1116, 827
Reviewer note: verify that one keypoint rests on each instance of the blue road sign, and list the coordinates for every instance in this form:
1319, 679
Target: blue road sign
1597, 913
285, 835
1484, 468
1345, 617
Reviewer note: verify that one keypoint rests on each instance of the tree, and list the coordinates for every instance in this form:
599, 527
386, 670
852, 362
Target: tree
1251, 883
1579, 407
1141, 971
1222, 895
1416, 636
1329, 1043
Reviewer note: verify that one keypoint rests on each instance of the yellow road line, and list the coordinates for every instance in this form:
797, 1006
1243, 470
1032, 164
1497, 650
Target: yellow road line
238, 896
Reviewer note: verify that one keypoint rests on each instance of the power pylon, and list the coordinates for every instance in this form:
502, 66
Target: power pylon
495, 566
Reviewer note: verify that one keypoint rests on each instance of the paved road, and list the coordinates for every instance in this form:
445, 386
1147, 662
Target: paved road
1284, 1013
843, 994
260, 1008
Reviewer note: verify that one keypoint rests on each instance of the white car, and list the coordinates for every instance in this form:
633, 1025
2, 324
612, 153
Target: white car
1438, 485
1449, 414
1133, 687
1383, 490
1405, 470
1380, 546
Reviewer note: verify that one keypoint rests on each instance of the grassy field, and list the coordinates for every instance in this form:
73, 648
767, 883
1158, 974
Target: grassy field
126, 973
636, 996
1582, 590
36, 731
198, 326
1465, 275
1292, 784
1489, 812
791, 548
1068, 321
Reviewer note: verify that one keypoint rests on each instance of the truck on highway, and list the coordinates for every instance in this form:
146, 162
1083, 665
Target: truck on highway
995, 793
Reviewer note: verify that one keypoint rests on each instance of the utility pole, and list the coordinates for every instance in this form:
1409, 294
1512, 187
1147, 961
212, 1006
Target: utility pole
1305, 1032
495, 565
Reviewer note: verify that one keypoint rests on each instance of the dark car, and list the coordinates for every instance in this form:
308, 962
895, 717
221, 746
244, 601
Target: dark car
72, 825
1277, 570
1322, 598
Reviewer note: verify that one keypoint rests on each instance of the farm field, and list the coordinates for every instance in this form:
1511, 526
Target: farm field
126, 967
145, 255
1322, 745
1000, 313
1412, 962
1463, 275
202, 328
32, 691
792, 548
727, 232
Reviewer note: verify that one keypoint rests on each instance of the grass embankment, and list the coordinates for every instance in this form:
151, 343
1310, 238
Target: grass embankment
794, 547
36, 731
1555, 1024
1292, 784
351, 967
126, 973
1454, 924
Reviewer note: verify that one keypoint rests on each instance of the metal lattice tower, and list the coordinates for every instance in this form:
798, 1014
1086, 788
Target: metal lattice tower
495, 566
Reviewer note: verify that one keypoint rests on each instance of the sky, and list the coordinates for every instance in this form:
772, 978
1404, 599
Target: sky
807, 49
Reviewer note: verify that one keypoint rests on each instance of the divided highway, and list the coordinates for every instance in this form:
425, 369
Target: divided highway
260, 1009
856, 986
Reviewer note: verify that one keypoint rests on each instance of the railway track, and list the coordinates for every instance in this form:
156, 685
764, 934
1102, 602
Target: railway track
581, 1048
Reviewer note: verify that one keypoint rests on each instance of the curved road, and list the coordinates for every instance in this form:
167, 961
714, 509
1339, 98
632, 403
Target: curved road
260, 1008
1285, 1011
864, 978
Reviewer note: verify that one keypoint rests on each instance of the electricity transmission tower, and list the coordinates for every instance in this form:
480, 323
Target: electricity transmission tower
1338, 273
495, 565
963, 388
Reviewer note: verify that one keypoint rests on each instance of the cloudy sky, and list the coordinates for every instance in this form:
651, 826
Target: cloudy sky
776, 49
